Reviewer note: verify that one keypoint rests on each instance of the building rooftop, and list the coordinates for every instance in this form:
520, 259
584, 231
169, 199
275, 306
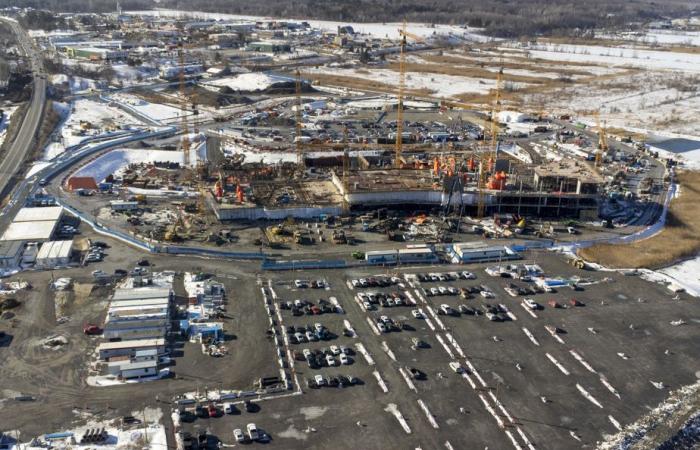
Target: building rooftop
30, 231
141, 293
38, 214
137, 343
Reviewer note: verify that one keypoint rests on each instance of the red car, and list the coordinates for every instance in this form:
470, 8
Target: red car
91, 330
554, 304
574, 302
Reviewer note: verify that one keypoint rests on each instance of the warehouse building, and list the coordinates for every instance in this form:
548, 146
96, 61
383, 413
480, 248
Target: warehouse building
10, 254
133, 369
269, 47
471, 252
33, 224
97, 54
109, 350
54, 254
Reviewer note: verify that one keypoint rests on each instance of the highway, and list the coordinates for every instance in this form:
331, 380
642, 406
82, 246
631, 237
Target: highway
25, 140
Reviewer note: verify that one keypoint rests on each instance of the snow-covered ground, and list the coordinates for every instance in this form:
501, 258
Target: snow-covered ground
657, 37
616, 56
686, 274
150, 435
74, 83
255, 81
441, 85
112, 161
102, 119
154, 111
380, 30
5, 122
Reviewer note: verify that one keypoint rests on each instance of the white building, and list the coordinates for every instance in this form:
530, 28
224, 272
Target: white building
108, 350
479, 251
54, 254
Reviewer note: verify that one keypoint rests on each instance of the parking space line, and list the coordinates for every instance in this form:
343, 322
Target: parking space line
588, 396
449, 446
610, 387
583, 362
529, 311
557, 363
444, 345
393, 409
388, 351
529, 335
553, 332
349, 327
407, 379
361, 348
512, 440
615, 423
381, 382
373, 326
524, 438
455, 344
469, 379
428, 414
430, 323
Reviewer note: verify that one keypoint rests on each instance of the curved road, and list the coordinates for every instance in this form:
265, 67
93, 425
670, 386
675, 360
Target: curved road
25, 139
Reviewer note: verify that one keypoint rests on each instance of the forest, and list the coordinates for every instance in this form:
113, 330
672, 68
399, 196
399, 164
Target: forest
502, 18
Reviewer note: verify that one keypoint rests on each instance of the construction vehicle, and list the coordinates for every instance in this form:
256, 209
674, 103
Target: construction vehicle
579, 263
339, 237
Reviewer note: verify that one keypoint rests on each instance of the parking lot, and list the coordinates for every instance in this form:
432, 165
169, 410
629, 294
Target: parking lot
436, 358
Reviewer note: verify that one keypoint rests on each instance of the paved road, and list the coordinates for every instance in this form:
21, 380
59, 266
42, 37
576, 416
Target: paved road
26, 137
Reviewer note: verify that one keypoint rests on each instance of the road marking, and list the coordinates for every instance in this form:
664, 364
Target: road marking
529, 311
449, 446
430, 323
588, 396
615, 423
444, 345
373, 326
407, 379
610, 387
583, 362
388, 351
553, 332
557, 363
532, 338
428, 414
361, 348
381, 382
393, 409
455, 344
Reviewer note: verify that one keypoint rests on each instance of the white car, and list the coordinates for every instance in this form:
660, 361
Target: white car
311, 337
335, 350
434, 291
355, 283
320, 381
252, 432
344, 360
468, 275
382, 327
368, 306
301, 283
395, 280
330, 360
487, 294
238, 435
452, 290
442, 290
530, 303
456, 367
384, 319
229, 408
417, 314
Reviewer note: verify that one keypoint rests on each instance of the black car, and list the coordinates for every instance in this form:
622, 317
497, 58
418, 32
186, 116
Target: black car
250, 406
417, 374
143, 263
121, 272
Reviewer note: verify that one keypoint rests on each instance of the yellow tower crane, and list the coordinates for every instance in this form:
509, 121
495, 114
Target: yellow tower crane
402, 86
297, 117
484, 170
602, 141
186, 144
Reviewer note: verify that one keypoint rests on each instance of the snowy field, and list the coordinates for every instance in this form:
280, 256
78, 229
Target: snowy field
248, 82
103, 119
659, 37
114, 161
441, 85
154, 111
616, 56
382, 30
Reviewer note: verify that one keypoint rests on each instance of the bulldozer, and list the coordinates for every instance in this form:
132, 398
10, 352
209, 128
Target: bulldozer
579, 263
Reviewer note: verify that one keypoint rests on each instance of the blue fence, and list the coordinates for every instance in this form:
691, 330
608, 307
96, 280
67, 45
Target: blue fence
304, 264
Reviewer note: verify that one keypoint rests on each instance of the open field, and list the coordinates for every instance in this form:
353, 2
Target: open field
679, 239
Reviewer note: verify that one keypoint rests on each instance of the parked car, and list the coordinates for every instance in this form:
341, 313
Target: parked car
252, 432
456, 367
